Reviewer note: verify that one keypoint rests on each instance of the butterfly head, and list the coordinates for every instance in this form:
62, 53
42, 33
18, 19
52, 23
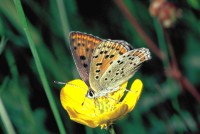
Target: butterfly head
90, 94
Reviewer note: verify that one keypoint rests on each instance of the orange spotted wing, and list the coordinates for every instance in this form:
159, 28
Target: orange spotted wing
104, 55
82, 46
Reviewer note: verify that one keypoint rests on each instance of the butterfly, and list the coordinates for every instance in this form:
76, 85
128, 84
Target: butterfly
104, 64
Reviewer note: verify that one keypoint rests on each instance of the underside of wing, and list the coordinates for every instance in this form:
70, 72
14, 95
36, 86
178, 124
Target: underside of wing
103, 56
124, 68
82, 46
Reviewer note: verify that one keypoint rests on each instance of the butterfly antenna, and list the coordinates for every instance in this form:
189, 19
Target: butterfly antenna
63, 83
58, 82
130, 91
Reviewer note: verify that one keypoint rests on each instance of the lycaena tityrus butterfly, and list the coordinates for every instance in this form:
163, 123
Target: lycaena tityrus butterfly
104, 65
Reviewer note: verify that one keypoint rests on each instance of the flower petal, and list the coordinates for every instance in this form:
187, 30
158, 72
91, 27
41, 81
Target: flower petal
73, 93
108, 117
133, 95
73, 96
82, 118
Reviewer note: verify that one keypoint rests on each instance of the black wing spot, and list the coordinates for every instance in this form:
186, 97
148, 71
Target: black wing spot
106, 78
72, 40
131, 63
111, 62
85, 65
97, 77
117, 73
105, 52
87, 49
123, 75
122, 72
118, 61
121, 63
98, 64
106, 56
75, 48
82, 57
101, 52
122, 69
79, 44
111, 79
98, 71
111, 56
109, 71
95, 56
120, 53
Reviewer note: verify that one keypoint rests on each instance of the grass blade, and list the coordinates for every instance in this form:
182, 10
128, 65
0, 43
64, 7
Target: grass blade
39, 66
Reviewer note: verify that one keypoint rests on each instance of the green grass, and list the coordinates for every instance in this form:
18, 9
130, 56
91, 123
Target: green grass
39, 67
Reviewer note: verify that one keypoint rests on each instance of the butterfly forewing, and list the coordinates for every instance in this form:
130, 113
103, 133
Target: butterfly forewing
124, 68
103, 57
82, 46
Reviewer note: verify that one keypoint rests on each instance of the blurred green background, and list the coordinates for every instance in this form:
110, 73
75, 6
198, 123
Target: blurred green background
31, 60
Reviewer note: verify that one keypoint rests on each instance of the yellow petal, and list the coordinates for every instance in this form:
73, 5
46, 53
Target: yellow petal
113, 115
73, 92
82, 118
133, 95
108, 117
73, 95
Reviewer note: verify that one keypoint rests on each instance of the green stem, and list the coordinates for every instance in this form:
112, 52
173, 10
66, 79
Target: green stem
5, 118
63, 18
3, 44
163, 47
162, 43
3, 114
111, 130
39, 67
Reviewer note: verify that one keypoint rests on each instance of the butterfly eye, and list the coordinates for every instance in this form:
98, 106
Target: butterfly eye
90, 94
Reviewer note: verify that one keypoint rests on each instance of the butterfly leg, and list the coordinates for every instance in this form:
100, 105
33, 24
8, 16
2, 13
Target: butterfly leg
130, 91
111, 98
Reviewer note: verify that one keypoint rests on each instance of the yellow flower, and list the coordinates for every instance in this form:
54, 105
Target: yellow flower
98, 112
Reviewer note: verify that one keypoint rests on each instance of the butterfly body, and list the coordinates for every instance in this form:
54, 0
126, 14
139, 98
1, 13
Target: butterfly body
105, 64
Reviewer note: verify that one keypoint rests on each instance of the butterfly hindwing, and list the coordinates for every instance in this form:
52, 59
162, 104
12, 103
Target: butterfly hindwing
82, 46
103, 56
124, 68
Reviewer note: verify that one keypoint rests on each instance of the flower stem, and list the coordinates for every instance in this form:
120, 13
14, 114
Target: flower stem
5, 119
111, 130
